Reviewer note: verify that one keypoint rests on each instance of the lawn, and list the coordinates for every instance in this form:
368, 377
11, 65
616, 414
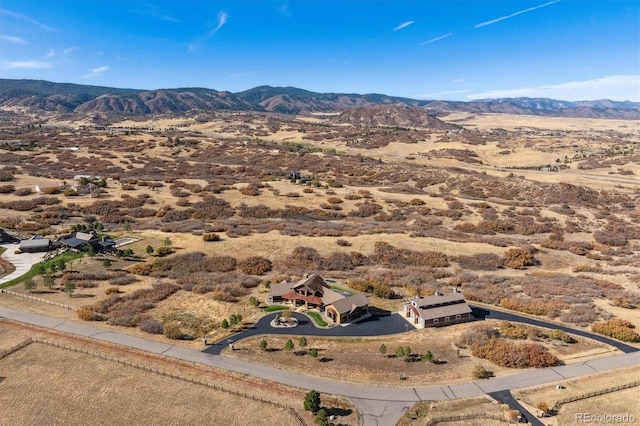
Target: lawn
39, 268
318, 319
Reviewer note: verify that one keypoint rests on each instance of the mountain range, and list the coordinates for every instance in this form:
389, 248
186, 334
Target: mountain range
40, 95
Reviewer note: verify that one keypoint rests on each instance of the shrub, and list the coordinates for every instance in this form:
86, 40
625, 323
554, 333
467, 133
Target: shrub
163, 251
513, 331
481, 261
123, 280
334, 200
23, 192
618, 329
7, 189
479, 372
152, 326
255, 265
343, 243
519, 258
220, 263
111, 290
172, 331
610, 238
513, 355
211, 237
89, 315
312, 400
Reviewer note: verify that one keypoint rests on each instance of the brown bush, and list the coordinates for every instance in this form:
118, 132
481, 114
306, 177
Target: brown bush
172, 331
89, 315
23, 192
514, 331
610, 238
7, 189
519, 258
514, 355
343, 243
220, 263
477, 335
255, 265
210, 237
334, 200
618, 329
481, 262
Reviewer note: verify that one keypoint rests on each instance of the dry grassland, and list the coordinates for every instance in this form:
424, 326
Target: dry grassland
233, 151
550, 394
424, 413
47, 385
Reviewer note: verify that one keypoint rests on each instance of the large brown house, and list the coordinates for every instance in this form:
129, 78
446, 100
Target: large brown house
314, 292
437, 310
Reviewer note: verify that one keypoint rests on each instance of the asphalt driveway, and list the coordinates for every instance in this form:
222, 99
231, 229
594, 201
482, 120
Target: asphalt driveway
380, 323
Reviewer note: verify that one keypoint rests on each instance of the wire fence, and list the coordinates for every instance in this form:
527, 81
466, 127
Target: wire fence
151, 369
16, 348
36, 299
563, 401
461, 417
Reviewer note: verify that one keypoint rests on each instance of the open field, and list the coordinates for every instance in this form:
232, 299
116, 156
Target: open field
44, 384
619, 402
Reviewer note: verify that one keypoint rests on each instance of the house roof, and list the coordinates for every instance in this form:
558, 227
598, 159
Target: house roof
35, 243
292, 295
73, 242
279, 289
445, 311
438, 300
85, 236
313, 283
439, 305
350, 304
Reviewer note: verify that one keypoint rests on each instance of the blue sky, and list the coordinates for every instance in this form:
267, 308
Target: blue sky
430, 49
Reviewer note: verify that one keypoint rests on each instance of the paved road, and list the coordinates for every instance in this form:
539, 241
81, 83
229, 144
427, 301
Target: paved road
487, 313
378, 405
507, 398
23, 261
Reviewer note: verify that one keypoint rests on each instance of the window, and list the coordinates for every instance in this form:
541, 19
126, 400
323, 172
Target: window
458, 316
435, 321
447, 318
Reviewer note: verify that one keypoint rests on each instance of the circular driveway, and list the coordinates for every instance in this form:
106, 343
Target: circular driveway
380, 323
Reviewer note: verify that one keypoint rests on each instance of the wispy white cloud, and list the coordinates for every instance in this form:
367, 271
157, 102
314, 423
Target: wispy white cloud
96, 72
21, 17
613, 87
27, 64
283, 9
69, 50
49, 55
154, 11
223, 17
520, 12
13, 39
433, 40
403, 25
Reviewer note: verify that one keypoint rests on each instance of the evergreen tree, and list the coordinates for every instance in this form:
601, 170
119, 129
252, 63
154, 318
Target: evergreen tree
312, 401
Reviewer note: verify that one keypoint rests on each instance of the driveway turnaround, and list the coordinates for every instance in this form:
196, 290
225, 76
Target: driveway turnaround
378, 405
23, 261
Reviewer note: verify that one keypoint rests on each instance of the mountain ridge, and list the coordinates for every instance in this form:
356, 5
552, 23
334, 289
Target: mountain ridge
42, 95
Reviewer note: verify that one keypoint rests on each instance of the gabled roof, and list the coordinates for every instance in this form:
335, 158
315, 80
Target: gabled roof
312, 283
445, 311
85, 236
350, 304
438, 300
